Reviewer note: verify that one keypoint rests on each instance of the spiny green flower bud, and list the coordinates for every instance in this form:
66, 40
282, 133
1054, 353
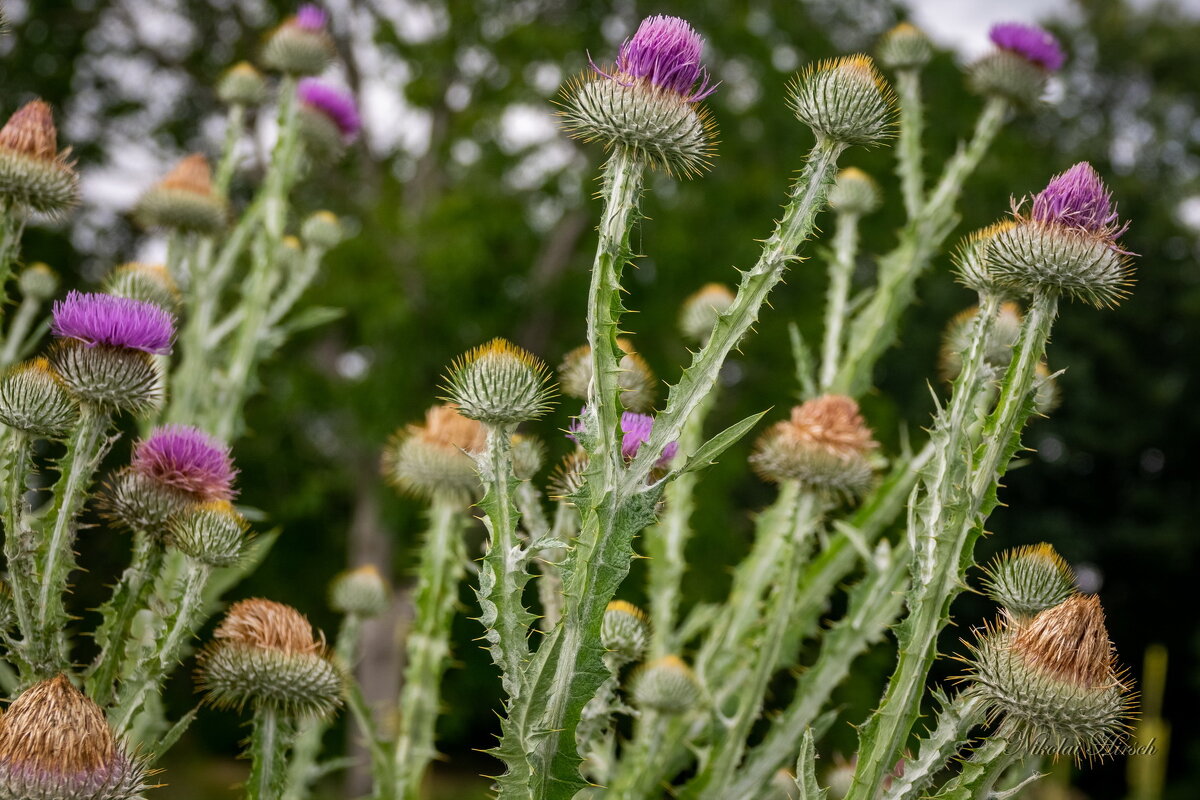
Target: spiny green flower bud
1005, 74
33, 399
38, 282
291, 253
904, 47
844, 100
242, 85
140, 502
149, 283
33, 174
1037, 256
264, 654
973, 264
666, 685
300, 45
435, 459
854, 192
1053, 680
361, 591
528, 456
624, 631
700, 312
184, 200
998, 349
112, 377
1028, 580
636, 380
213, 533
322, 229
499, 383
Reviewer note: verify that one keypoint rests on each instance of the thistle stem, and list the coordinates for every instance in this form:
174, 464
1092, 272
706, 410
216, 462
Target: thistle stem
20, 545
268, 754
841, 269
980, 772
235, 126
950, 732
12, 227
912, 128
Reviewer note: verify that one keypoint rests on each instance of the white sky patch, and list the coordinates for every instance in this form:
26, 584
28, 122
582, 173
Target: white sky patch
523, 125
963, 25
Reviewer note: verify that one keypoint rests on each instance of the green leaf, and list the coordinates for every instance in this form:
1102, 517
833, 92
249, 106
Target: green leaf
708, 452
806, 777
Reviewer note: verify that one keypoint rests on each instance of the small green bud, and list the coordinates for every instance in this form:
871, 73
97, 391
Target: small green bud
361, 591
435, 459
1028, 580
213, 533
528, 456
297, 50
567, 477
854, 192
624, 631
499, 383
322, 230
291, 253
998, 349
184, 200
844, 100
1005, 74
38, 282
149, 283
242, 85
666, 685
904, 47
700, 312
34, 399
973, 266
636, 380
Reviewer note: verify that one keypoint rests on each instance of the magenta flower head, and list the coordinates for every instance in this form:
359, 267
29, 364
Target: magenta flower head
1031, 43
1078, 198
187, 459
666, 52
335, 105
310, 17
103, 319
636, 430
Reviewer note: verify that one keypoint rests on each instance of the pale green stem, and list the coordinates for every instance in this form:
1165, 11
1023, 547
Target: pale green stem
950, 732
908, 146
235, 125
980, 772
18, 332
295, 283
550, 584
268, 754
841, 269
12, 227
640, 762
20, 544
538, 528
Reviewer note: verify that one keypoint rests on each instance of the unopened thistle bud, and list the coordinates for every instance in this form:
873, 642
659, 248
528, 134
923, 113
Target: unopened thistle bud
184, 200
700, 312
648, 101
242, 85
904, 47
499, 383
636, 380
300, 45
567, 478
361, 591
106, 348
1067, 243
1025, 57
1053, 680
329, 118
825, 445
264, 654
149, 283
854, 192
528, 456
38, 282
212, 532
624, 631
33, 173
973, 266
435, 459
666, 685
322, 229
33, 399
844, 100
1028, 580
998, 349
55, 744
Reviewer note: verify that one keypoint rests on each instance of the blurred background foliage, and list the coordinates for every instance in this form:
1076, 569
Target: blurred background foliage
472, 217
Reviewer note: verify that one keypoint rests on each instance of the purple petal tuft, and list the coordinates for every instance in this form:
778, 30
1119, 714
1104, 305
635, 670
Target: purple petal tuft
1078, 198
338, 106
188, 459
636, 429
665, 51
95, 318
1031, 43
311, 17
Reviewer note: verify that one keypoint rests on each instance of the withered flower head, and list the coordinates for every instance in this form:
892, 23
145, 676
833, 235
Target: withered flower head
434, 459
33, 173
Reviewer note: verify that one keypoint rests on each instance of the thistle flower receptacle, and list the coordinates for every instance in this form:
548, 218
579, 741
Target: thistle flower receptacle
33, 173
361, 591
998, 349
435, 460
624, 632
185, 200
300, 45
854, 192
499, 384
638, 384
648, 102
322, 229
1028, 580
700, 311
149, 283
329, 118
212, 532
1025, 57
825, 445
904, 47
38, 282
973, 265
264, 654
34, 399
1053, 681
666, 685
242, 85
55, 744
1067, 244
844, 100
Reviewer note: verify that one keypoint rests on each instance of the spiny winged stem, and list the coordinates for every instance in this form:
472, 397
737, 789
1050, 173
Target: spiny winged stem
946, 515
979, 773
85, 449
442, 564
20, 543
908, 146
12, 226
538, 528
874, 327
950, 732
235, 125
269, 742
841, 269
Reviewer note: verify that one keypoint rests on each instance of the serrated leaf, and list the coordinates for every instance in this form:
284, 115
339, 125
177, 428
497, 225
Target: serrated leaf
708, 452
806, 770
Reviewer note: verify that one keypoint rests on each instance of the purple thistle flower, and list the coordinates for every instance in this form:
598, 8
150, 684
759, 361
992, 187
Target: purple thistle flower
636, 429
1078, 198
666, 52
310, 17
335, 105
95, 318
1029, 42
187, 459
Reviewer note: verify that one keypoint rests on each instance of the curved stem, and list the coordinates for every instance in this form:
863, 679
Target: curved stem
841, 269
912, 127
268, 754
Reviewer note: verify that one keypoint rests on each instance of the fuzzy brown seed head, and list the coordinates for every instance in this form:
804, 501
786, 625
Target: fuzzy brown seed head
30, 131
192, 174
1070, 641
54, 727
269, 625
831, 423
445, 427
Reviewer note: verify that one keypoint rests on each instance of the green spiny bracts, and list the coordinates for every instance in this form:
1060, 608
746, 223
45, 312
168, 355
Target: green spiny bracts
639, 386
904, 47
113, 378
33, 174
973, 265
1032, 256
624, 632
700, 311
300, 45
149, 283
499, 383
184, 200
666, 685
213, 533
1028, 580
241, 85
435, 460
1008, 76
38, 282
34, 400
854, 192
361, 591
138, 502
844, 100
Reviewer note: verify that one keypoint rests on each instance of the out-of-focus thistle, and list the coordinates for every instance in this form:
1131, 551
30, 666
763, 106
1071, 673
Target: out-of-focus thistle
700, 311
666, 685
844, 100
624, 632
149, 283
1017, 70
34, 400
362, 592
904, 47
973, 266
242, 85
498, 383
328, 118
854, 192
34, 175
1002, 336
1028, 580
55, 744
648, 101
300, 45
435, 459
637, 381
322, 229
825, 446
184, 200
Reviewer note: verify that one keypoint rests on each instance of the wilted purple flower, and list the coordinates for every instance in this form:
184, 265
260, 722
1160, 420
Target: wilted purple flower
1078, 198
666, 52
636, 429
94, 318
311, 17
332, 103
1029, 42
188, 459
